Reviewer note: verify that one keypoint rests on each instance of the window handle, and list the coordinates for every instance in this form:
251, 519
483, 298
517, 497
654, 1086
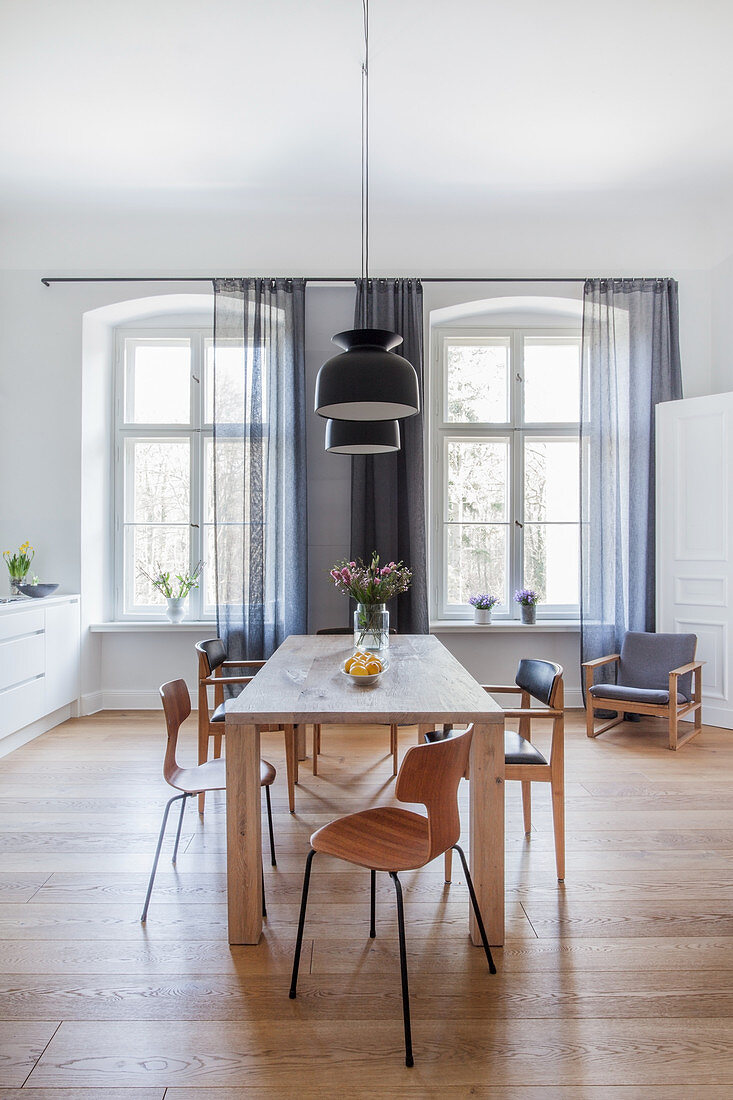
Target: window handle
517, 523
195, 378
519, 377
193, 525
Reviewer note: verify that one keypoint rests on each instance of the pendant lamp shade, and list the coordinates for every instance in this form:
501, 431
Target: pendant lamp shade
362, 437
368, 380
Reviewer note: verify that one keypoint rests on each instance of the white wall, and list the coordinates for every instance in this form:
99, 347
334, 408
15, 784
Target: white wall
41, 492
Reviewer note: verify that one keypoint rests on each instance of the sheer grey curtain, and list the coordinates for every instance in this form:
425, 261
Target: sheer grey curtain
258, 532
630, 362
388, 491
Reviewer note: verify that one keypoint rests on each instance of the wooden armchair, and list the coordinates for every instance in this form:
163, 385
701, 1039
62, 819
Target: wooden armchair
657, 675
540, 680
213, 662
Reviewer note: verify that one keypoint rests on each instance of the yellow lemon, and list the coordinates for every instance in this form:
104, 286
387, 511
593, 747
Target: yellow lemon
373, 666
359, 670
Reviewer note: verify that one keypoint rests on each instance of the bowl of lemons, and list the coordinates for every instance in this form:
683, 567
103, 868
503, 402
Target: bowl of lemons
363, 668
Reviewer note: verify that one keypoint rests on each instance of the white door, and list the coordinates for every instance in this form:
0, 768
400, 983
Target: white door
694, 537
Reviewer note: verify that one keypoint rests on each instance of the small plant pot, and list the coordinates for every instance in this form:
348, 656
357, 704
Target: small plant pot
529, 613
175, 608
482, 615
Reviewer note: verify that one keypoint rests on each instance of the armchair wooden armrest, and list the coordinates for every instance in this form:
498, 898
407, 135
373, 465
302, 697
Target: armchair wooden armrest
243, 664
692, 666
222, 681
601, 660
502, 689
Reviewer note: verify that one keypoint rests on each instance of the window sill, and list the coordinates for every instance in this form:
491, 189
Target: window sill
153, 627
505, 626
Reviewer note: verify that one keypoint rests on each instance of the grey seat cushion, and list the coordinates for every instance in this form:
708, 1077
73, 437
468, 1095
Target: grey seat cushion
519, 751
624, 694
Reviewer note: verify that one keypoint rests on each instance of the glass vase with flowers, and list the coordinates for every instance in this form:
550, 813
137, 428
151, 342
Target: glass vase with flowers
18, 564
371, 586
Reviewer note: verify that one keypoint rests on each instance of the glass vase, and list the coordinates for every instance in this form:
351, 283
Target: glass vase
371, 627
15, 583
529, 613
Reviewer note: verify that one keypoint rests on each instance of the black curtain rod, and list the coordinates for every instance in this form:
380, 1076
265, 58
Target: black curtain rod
47, 280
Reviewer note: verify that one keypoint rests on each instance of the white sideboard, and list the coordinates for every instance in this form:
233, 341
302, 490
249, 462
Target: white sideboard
39, 666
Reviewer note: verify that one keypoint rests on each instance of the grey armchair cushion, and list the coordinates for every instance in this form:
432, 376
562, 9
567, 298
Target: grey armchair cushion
647, 660
625, 694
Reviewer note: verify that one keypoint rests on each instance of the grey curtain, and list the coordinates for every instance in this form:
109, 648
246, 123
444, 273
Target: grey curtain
388, 491
630, 362
259, 517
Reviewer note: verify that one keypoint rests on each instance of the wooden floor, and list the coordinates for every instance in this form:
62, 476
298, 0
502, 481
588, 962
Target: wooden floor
617, 984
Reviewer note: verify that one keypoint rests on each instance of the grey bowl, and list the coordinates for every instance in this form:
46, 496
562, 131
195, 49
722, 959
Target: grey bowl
38, 591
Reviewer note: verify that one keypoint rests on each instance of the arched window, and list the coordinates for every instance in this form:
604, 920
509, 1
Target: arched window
504, 432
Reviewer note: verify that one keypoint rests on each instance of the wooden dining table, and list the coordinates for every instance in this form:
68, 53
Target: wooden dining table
424, 685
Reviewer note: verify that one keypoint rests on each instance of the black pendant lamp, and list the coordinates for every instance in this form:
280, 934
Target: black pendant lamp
368, 381
362, 437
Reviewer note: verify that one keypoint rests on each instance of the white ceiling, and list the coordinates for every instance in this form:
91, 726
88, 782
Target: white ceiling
145, 102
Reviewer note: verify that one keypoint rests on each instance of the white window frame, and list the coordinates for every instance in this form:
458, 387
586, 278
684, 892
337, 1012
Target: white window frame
196, 432
443, 431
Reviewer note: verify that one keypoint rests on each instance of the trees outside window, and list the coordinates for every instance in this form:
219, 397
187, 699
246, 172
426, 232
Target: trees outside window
505, 469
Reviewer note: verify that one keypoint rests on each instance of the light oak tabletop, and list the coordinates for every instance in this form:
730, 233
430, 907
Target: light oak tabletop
302, 682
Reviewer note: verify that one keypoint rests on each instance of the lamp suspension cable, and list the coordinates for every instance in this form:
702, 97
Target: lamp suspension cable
365, 161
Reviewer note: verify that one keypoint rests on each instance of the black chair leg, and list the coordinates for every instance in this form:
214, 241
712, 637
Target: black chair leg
178, 833
403, 970
301, 924
168, 805
273, 861
476, 910
264, 906
373, 907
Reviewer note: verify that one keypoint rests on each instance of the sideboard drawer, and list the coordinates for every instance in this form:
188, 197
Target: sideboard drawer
22, 659
19, 706
22, 622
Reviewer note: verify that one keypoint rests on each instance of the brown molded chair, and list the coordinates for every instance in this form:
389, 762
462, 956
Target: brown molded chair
654, 677
209, 776
212, 663
540, 680
391, 839
393, 730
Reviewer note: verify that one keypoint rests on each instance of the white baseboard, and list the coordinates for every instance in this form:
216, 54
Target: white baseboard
92, 702
35, 729
717, 716
136, 700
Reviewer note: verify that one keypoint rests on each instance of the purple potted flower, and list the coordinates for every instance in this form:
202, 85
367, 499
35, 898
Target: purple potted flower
527, 600
482, 606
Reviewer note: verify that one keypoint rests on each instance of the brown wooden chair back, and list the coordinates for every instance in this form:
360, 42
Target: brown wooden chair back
177, 707
430, 775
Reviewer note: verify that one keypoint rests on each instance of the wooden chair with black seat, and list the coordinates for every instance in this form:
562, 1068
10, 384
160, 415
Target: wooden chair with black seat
213, 661
390, 839
209, 776
393, 730
542, 681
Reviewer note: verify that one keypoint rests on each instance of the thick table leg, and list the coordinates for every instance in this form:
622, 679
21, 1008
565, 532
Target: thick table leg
487, 828
244, 834
300, 735
422, 729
